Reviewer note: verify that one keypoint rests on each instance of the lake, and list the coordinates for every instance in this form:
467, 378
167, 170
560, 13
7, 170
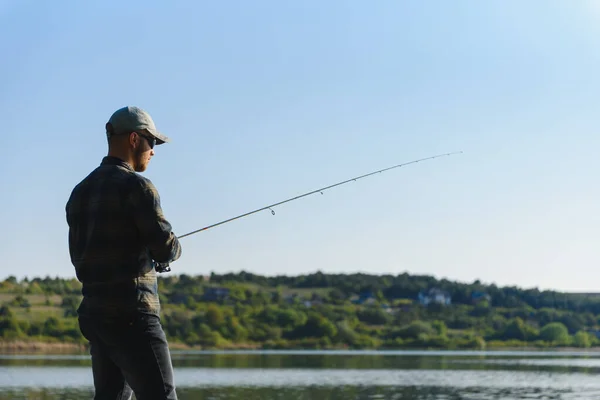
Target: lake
330, 375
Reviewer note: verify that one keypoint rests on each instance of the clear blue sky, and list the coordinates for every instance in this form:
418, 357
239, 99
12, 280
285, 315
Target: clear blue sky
265, 100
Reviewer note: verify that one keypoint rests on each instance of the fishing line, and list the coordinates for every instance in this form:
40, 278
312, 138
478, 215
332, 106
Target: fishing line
165, 267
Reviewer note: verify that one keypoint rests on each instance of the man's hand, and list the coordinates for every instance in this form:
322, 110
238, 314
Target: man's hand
162, 267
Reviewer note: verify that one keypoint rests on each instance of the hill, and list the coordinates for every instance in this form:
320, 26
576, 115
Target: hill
321, 311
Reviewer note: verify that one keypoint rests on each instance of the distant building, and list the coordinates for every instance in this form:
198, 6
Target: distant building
291, 298
311, 303
364, 298
215, 294
295, 298
478, 297
314, 301
389, 309
436, 296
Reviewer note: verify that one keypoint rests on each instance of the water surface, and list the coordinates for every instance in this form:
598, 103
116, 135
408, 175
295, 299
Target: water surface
319, 375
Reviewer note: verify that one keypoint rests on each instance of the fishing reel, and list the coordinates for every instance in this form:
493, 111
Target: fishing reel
161, 267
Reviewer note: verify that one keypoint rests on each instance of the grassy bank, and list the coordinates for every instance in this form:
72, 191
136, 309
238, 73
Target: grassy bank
34, 346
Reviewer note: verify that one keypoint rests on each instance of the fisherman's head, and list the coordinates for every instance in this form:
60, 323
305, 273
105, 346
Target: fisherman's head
132, 135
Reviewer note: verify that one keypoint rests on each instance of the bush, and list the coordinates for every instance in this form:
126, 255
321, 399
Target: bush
582, 339
373, 316
20, 301
517, 329
5, 311
413, 330
555, 332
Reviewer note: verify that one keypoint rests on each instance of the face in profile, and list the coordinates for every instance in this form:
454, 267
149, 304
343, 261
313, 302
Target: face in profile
143, 152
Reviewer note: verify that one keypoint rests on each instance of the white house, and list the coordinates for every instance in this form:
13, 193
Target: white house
435, 295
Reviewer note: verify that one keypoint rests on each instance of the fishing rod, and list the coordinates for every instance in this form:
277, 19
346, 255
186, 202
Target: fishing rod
163, 267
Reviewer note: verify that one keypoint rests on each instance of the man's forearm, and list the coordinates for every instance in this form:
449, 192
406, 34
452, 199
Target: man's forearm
167, 251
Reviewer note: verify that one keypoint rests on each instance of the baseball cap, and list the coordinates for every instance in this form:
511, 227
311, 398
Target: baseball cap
129, 119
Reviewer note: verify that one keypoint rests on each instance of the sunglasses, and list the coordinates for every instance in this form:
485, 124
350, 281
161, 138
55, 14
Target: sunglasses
151, 140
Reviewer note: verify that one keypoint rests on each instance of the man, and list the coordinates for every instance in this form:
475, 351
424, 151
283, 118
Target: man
117, 236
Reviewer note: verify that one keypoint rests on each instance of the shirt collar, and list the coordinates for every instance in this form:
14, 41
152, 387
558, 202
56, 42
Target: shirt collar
110, 160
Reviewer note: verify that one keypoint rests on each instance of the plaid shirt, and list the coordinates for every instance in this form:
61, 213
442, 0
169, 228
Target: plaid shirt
116, 230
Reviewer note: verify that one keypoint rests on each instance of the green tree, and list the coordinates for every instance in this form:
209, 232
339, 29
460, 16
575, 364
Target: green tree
345, 333
54, 327
34, 288
519, 330
70, 304
178, 325
20, 301
316, 326
9, 327
233, 330
482, 309
214, 316
373, 316
414, 330
336, 296
277, 296
5, 311
554, 332
237, 294
439, 327
573, 322
582, 339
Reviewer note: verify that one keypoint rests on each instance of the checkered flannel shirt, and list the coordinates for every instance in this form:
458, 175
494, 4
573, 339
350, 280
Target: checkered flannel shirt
116, 230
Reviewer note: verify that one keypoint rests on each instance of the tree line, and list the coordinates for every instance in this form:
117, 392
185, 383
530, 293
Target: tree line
326, 311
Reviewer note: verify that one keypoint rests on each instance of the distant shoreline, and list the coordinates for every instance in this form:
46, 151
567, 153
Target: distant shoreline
39, 347
22, 346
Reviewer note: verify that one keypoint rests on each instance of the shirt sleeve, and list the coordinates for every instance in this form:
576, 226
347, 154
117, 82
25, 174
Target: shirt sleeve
155, 231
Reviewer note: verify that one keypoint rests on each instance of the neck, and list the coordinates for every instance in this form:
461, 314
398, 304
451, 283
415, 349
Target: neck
123, 155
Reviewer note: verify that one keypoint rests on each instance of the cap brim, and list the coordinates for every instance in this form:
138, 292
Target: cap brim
160, 138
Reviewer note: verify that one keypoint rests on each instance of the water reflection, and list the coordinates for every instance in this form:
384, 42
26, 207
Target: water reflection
65, 377
552, 362
327, 375
327, 393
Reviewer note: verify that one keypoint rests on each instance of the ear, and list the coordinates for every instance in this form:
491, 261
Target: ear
109, 130
133, 139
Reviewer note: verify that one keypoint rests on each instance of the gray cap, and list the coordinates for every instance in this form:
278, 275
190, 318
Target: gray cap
131, 119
